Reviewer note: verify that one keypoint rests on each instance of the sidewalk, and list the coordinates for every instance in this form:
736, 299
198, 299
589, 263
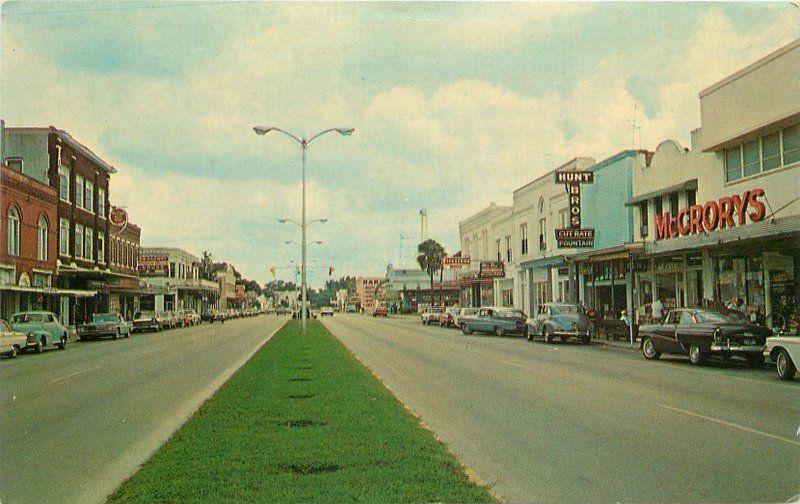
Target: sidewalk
621, 344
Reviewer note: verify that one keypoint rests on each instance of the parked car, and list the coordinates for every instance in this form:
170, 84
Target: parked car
448, 318
149, 321
189, 318
42, 329
173, 318
431, 315
559, 320
350, 309
703, 332
11, 341
784, 351
105, 324
326, 312
207, 316
297, 314
463, 312
380, 312
494, 319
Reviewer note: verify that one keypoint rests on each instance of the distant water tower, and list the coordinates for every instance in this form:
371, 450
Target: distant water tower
423, 224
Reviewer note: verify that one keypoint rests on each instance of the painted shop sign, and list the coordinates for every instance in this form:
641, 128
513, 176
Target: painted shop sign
456, 261
574, 236
492, 269
154, 265
726, 212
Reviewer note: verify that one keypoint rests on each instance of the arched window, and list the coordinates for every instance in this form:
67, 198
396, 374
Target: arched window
13, 231
541, 205
42, 239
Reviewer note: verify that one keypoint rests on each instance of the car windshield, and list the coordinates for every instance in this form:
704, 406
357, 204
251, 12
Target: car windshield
143, 314
104, 318
27, 318
509, 313
721, 317
566, 310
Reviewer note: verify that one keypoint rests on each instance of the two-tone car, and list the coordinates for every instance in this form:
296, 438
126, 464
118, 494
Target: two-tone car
466, 311
784, 351
559, 320
42, 328
326, 311
11, 341
497, 320
704, 332
111, 325
149, 320
448, 318
432, 314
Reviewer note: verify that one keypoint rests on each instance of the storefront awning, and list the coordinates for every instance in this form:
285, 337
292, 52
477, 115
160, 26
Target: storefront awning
91, 273
48, 291
688, 184
544, 263
609, 253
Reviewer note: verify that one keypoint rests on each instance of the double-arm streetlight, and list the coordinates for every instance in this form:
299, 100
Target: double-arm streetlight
263, 130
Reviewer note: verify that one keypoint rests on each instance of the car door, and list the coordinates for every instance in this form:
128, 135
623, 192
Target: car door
668, 332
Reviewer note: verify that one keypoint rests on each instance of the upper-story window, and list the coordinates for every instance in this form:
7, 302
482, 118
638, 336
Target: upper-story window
101, 247
13, 231
509, 257
89, 199
499, 253
691, 197
673, 204
543, 233
644, 220
779, 148
63, 237
562, 217
15, 163
523, 230
42, 236
89, 244
79, 188
63, 182
101, 202
78, 240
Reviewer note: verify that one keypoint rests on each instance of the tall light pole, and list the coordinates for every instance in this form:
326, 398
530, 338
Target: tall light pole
263, 130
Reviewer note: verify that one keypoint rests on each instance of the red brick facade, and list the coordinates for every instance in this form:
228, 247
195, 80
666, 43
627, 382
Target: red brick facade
32, 200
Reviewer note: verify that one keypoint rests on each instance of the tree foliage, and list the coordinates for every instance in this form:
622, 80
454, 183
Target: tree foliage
430, 255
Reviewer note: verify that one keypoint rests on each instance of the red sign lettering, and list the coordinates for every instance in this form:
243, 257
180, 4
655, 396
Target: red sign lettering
727, 212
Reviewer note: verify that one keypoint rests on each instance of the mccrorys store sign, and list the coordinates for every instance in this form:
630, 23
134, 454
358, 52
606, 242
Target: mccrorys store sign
726, 212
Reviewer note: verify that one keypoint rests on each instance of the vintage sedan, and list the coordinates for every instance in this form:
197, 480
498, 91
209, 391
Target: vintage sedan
448, 318
463, 312
327, 311
11, 341
149, 321
380, 312
42, 328
189, 318
497, 320
559, 320
784, 351
432, 314
105, 324
704, 332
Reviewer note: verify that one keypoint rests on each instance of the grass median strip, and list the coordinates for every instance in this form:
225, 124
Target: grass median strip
302, 421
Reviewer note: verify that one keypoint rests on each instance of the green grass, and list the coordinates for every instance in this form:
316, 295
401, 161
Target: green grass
302, 421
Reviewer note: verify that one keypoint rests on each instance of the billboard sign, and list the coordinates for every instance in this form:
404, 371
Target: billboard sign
154, 265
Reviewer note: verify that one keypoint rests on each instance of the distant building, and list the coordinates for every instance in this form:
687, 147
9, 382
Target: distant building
176, 273
226, 280
286, 298
371, 293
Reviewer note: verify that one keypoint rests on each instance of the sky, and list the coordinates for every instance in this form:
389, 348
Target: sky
454, 106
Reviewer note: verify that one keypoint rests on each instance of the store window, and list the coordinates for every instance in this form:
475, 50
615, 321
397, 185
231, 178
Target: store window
13, 231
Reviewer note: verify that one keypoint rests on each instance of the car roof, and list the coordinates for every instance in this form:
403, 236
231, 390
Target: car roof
34, 312
561, 304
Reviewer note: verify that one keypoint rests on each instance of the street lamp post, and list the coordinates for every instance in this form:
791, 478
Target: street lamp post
263, 130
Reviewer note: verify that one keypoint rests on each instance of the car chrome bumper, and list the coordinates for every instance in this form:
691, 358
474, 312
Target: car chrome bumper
571, 333
736, 347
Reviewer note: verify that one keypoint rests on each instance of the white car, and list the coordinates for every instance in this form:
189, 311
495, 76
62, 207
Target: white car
11, 341
326, 312
784, 351
463, 312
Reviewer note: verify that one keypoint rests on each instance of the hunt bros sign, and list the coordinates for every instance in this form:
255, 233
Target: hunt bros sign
574, 236
727, 212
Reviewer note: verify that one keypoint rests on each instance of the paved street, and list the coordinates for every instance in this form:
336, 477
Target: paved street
74, 424
589, 424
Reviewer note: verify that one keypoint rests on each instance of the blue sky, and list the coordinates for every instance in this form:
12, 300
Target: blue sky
454, 105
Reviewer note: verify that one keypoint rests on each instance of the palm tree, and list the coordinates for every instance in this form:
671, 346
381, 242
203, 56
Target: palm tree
430, 256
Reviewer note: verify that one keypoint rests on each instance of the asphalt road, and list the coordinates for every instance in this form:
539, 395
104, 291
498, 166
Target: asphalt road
74, 424
564, 422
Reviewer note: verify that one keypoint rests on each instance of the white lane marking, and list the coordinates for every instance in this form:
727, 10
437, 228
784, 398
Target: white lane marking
732, 425
75, 374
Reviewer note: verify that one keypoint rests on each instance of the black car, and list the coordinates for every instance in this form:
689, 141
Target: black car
703, 332
105, 324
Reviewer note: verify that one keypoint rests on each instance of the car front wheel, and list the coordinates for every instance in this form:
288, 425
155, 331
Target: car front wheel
14, 351
39, 348
548, 338
465, 329
649, 349
529, 333
62, 345
696, 355
784, 365
499, 331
